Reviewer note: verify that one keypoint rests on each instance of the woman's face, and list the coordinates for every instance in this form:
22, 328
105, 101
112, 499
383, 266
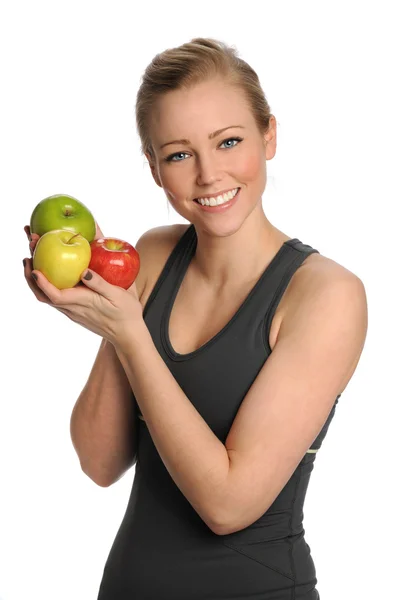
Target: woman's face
199, 164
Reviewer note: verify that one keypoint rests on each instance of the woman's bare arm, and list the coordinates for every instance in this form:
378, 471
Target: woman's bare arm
104, 426
103, 422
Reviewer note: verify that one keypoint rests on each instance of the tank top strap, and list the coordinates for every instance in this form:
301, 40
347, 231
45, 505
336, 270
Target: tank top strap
293, 256
174, 268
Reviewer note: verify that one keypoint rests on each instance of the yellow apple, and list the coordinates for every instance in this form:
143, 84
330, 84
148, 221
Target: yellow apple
62, 256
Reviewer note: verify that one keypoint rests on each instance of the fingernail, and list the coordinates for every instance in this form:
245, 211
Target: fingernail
24, 262
34, 276
87, 276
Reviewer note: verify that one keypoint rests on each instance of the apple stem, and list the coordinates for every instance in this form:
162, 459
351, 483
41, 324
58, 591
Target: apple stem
74, 236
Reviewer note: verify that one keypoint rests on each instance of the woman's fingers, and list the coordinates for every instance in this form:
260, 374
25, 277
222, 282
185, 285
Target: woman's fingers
41, 296
32, 237
32, 245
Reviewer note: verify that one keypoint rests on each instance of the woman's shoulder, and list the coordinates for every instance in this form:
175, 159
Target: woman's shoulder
316, 275
320, 268
154, 247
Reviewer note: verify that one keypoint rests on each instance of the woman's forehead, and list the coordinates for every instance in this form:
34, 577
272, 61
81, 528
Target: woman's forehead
216, 106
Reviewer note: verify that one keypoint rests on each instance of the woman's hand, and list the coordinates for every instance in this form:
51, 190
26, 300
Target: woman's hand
104, 309
28, 265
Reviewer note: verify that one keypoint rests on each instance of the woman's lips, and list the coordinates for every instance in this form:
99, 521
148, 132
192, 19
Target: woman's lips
219, 207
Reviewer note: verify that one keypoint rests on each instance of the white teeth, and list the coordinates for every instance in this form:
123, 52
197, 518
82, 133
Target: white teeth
219, 199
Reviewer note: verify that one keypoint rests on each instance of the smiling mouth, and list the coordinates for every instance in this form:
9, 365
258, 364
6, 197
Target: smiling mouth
219, 199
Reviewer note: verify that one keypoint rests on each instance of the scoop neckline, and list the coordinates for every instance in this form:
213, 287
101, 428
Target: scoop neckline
187, 258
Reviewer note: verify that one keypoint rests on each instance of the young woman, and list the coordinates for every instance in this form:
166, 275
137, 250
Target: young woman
221, 367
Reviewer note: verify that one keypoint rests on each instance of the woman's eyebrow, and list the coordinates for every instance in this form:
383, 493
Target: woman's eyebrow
210, 137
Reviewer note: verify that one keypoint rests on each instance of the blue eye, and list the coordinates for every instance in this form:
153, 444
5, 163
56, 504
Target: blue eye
171, 157
232, 140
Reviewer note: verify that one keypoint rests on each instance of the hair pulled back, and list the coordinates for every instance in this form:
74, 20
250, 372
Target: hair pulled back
189, 64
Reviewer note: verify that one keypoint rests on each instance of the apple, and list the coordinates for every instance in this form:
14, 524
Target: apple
63, 212
115, 260
62, 256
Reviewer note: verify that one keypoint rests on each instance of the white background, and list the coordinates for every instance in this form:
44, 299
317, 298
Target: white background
69, 76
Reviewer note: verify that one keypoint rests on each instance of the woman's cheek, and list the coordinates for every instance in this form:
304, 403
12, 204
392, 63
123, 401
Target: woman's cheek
249, 166
169, 194
174, 199
172, 184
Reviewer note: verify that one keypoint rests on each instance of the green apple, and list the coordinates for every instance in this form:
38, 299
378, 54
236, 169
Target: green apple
62, 257
63, 212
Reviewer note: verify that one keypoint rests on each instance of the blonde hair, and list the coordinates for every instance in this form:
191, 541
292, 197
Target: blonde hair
191, 63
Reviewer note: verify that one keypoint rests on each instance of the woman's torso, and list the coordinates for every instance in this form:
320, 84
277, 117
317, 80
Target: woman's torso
163, 549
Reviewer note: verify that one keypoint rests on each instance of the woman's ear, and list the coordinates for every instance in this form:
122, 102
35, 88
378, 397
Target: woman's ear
270, 139
153, 169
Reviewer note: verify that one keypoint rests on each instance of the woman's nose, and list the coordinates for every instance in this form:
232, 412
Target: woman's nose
208, 171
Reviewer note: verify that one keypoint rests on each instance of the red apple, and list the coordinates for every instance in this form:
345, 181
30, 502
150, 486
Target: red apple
116, 261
